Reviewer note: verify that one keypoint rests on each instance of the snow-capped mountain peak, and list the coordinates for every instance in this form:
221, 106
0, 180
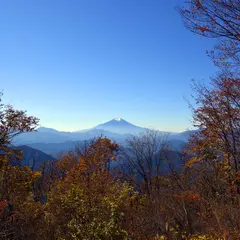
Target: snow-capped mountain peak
118, 119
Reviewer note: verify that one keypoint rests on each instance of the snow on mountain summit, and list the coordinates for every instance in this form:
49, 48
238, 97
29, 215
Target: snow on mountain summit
118, 119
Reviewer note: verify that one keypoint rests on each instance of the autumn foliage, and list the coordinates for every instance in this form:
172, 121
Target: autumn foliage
83, 195
218, 19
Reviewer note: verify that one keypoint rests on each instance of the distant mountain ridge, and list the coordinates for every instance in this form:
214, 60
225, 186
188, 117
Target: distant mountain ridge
33, 157
114, 129
52, 141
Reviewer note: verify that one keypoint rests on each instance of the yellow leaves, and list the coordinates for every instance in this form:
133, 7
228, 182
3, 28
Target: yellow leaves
90, 205
223, 166
193, 237
194, 160
204, 237
36, 175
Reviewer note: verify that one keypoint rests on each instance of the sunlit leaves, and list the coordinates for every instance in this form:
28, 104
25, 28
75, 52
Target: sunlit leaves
218, 115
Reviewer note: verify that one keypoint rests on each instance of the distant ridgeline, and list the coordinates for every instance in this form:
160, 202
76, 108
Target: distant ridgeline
52, 141
33, 158
46, 144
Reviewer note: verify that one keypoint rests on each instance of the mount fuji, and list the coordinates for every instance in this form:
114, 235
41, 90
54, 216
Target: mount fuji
120, 126
51, 141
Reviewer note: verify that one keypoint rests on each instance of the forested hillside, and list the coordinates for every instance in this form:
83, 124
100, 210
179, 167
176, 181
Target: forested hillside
80, 196
84, 195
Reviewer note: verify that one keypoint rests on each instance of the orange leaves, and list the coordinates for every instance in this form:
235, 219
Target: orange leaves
203, 29
215, 19
217, 115
36, 175
82, 164
187, 196
98, 155
89, 202
195, 197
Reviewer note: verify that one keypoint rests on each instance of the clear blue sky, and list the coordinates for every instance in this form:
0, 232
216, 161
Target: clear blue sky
77, 63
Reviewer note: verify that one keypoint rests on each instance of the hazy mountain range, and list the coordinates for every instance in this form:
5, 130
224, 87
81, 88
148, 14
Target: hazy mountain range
52, 141
33, 157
